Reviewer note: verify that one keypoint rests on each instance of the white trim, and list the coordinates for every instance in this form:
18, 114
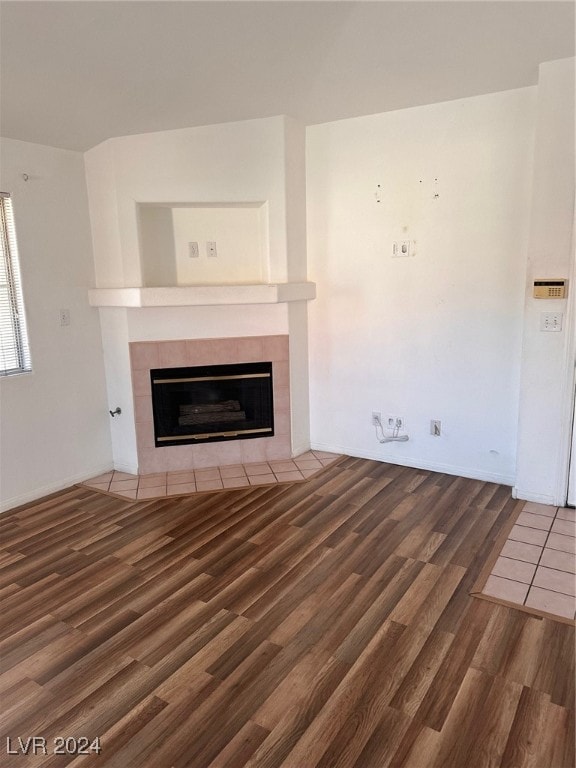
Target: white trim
130, 469
202, 295
298, 450
448, 469
46, 490
569, 383
539, 498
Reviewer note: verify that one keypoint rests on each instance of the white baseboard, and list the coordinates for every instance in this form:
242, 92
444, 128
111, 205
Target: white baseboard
539, 498
448, 469
46, 490
298, 450
131, 469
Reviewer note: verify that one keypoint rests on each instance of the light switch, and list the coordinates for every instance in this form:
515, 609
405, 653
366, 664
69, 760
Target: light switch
551, 321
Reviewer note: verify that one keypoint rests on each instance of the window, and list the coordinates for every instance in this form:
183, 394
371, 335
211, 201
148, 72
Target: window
14, 352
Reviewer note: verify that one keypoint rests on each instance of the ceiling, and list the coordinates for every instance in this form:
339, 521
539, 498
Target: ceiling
76, 73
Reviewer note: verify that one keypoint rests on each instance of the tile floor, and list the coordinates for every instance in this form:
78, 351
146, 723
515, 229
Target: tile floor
153, 486
537, 564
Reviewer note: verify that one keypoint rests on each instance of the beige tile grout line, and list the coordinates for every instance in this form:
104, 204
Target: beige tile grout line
277, 481
486, 571
537, 565
540, 559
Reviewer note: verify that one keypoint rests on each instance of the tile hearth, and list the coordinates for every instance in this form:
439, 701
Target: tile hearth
535, 566
184, 482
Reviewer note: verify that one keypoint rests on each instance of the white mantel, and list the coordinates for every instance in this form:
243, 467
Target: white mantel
202, 295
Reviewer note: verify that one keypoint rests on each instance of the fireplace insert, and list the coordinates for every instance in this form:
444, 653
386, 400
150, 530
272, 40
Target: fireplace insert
209, 403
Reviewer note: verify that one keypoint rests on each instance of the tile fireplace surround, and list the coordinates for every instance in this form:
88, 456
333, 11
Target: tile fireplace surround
145, 355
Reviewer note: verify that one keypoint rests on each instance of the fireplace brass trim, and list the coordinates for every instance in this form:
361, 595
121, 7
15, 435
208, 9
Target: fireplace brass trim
204, 435
213, 378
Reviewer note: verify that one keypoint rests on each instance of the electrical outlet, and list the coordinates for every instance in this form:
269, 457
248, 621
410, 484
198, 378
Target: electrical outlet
193, 250
435, 428
211, 248
402, 248
395, 422
376, 418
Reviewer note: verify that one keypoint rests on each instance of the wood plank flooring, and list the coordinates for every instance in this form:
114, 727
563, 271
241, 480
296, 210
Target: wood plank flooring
317, 625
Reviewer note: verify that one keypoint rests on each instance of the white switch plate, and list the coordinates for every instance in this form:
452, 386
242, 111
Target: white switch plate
211, 248
551, 321
193, 251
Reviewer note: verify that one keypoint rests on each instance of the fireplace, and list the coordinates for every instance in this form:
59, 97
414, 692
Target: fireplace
210, 403
147, 358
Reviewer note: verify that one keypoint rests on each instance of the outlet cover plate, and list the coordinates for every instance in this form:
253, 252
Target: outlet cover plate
402, 248
394, 422
436, 427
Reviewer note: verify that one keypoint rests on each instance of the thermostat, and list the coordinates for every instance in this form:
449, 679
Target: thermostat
550, 288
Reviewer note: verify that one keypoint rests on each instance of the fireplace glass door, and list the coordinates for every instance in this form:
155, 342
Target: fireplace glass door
211, 403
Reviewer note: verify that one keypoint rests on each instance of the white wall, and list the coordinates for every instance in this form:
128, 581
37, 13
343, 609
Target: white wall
158, 250
547, 391
436, 335
295, 199
256, 161
299, 377
115, 339
237, 232
231, 163
55, 422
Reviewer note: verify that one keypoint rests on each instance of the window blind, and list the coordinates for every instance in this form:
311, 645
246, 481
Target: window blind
14, 349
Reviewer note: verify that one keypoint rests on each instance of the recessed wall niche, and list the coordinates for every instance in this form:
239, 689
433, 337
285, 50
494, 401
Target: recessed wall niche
175, 237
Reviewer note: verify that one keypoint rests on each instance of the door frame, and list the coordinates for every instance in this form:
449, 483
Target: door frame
569, 385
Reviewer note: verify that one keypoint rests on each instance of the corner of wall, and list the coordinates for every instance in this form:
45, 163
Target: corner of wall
547, 378
100, 175
299, 376
295, 196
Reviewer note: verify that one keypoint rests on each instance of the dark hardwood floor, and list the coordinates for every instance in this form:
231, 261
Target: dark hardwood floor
312, 625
